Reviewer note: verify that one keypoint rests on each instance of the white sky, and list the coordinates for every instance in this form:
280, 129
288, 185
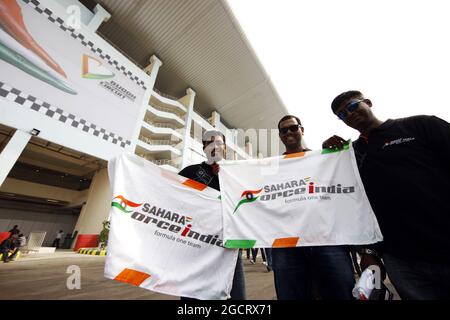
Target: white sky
396, 52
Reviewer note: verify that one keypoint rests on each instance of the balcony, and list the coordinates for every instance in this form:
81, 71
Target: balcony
168, 110
161, 131
164, 163
166, 149
164, 115
160, 99
160, 125
154, 142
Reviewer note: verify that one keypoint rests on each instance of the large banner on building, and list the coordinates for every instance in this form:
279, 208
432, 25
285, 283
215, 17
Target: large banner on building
166, 232
67, 74
305, 199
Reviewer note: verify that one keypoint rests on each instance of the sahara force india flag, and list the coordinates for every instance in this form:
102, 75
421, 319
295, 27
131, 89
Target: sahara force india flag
303, 199
166, 232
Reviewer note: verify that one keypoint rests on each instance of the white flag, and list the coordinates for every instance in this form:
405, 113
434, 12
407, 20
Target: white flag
303, 199
166, 232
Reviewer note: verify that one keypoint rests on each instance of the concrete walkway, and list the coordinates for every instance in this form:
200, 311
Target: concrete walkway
43, 276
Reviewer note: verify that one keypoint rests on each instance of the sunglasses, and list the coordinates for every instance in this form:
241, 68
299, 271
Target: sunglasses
350, 107
215, 143
293, 128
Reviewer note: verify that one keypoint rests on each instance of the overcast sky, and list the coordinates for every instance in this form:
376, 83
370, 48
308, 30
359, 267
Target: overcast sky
396, 52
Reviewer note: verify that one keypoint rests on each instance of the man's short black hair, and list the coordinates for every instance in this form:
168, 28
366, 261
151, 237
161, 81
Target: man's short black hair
343, 97
212, 133
288, 117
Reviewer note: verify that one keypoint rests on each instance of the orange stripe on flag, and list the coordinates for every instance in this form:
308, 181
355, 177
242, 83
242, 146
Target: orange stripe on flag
195, 185
132, 276
285, 242
294, 155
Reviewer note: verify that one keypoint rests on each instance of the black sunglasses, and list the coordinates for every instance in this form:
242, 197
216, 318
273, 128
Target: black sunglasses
350, 107
293, 128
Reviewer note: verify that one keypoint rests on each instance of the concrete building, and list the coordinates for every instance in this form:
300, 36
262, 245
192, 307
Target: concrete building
191, 69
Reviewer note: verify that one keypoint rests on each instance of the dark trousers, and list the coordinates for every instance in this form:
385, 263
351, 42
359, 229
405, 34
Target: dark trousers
330, 268
268, 252
55, 243
238, 287
418, 280
255, 254
5, 254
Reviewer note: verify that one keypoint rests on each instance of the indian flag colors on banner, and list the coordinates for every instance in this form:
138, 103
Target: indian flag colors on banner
303, 199
166, 232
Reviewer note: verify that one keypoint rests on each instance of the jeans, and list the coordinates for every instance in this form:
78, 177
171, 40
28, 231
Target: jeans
418, 280
238, 287
330, 267
269, 256
255, 254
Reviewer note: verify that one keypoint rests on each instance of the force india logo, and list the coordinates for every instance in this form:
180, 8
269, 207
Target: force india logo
289, 189
124, 204
163, 219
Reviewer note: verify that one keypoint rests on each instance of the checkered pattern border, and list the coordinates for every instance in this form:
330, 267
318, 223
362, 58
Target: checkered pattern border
80, 37
30, 102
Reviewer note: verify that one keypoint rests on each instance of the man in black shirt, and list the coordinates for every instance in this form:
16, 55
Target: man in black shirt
207, 173
405, 168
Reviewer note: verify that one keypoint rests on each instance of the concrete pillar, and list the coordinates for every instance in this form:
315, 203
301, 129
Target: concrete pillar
100, 16
12, 152
215, 119
153, 68
187, 129
249, 148
97, 206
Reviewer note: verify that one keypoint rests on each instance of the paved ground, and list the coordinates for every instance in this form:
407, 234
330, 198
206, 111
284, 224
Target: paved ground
44, 277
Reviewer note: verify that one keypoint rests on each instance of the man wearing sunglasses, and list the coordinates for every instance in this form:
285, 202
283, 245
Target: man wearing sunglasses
215, 149
296, 270
405, 168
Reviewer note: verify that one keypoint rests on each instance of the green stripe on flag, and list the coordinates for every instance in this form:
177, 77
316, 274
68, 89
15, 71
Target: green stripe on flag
346, 147
118, 206
239, 244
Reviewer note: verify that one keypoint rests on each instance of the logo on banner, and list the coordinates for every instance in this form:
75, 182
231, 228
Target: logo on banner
124, 204
302, 187
165, 220
248, 196
94, 69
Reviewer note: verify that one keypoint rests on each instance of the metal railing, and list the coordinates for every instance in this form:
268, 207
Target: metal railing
157, 142
161, 125
165, 162
164, 109
165, 95
160, 162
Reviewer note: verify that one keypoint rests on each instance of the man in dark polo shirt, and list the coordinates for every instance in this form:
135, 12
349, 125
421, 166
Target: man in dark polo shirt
405, 168
207, 173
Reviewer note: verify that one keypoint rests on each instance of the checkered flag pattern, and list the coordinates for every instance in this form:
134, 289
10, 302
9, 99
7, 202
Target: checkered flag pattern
30, 102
